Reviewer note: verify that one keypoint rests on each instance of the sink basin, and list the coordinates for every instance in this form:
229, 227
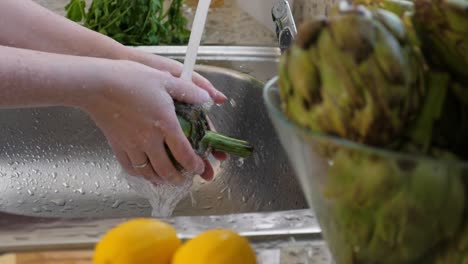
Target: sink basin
54, 162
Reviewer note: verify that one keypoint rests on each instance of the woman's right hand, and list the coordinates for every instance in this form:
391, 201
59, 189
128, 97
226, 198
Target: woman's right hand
135, 110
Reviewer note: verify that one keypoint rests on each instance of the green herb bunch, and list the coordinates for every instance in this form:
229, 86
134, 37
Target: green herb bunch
133, 22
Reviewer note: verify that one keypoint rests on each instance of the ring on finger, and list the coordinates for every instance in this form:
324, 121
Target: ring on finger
141, 166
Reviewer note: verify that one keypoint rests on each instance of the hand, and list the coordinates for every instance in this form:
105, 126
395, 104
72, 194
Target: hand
135, 111
175, 68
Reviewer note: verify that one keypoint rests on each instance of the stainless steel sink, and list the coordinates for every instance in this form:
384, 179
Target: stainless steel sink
54, 162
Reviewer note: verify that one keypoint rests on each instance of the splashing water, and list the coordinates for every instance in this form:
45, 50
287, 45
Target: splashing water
163, 197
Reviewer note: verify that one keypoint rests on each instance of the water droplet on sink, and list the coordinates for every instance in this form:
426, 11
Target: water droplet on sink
81, 191
54, 175
65, 185
256, 159
56, 191
20, 201
31, 193
67, 208
116, 204
36, 210
233, 102
240, 162
58, 202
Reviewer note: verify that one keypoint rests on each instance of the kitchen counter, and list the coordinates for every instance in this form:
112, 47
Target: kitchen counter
226, 25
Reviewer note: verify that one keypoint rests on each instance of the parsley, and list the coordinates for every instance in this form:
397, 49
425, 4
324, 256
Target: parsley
133, 22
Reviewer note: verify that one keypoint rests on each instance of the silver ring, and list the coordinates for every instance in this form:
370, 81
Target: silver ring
141, 166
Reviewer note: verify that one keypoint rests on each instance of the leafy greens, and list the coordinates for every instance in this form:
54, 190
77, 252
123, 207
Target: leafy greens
133, 22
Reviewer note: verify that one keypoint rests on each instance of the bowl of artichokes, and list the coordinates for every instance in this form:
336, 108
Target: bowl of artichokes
371, 106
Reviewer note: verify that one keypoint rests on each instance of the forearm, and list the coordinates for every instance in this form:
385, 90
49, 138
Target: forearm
31, 78
25, 24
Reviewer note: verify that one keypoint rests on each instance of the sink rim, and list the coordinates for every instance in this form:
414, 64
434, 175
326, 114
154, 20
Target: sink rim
232, 53
56, 234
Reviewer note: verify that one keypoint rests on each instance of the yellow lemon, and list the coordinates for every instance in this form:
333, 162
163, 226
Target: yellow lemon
217, 246
138, 241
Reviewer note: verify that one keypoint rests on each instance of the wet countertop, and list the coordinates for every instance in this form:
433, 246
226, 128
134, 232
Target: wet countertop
227, 24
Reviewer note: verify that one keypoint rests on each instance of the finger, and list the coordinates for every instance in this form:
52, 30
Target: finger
180, 146
162, 164
175, 69
221, 156
205, 84
208, 174
141, 164
124, 160
186, 91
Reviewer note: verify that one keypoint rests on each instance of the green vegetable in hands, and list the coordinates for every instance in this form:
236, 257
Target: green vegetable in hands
354, 75
133, 22
196, 128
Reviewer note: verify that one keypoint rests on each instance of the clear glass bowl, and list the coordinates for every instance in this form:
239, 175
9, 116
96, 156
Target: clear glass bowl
374, 205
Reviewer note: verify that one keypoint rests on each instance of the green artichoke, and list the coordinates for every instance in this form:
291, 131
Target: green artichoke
399, 7
455, 252
196, 128
352, 75
385, 210
442, 27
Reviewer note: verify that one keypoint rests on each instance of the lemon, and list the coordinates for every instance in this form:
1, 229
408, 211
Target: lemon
138, 241
217, 246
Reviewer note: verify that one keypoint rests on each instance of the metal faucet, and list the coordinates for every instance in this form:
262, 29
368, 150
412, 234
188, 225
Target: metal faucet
285, 26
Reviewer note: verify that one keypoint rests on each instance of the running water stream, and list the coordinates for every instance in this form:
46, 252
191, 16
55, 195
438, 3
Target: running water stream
164, 197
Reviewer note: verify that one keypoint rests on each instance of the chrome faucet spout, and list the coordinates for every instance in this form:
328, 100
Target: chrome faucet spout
284, 21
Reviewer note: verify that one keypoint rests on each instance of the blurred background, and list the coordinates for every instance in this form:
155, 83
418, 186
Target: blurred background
234, 22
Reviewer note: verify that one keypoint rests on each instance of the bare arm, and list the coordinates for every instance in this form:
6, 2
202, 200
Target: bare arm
25, 24
33, 78
130, 102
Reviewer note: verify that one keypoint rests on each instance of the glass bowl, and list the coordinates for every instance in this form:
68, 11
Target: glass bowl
375, 205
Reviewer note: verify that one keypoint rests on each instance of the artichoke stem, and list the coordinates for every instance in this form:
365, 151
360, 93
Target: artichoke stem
421, 132
225, 144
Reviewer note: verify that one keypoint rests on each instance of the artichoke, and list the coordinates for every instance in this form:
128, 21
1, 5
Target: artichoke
196, 128
455, 252
399, 7
353, 75
442, 26
387, 210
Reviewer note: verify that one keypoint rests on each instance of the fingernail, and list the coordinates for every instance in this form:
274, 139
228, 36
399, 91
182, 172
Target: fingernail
222, 95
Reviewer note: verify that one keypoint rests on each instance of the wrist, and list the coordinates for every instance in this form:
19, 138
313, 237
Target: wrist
88, 92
